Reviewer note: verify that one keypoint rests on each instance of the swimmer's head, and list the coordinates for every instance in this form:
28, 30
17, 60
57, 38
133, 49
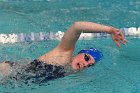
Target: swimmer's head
85, 58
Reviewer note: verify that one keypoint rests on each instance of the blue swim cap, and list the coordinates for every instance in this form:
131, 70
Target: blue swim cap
96, 54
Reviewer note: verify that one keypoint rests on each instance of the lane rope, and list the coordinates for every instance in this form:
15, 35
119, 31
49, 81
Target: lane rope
42, 36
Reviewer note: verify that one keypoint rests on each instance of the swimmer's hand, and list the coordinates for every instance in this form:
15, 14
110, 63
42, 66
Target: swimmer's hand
118, 37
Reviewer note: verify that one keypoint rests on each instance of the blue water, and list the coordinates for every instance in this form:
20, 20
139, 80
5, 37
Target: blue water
118, 71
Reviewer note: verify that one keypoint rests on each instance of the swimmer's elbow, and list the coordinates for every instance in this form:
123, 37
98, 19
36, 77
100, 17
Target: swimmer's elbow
76, 26
76, 23
80, 26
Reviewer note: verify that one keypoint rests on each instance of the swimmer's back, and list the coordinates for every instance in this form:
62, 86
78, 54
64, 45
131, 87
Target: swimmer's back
35, 72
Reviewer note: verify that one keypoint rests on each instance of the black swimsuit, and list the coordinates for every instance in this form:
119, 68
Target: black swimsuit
36, 72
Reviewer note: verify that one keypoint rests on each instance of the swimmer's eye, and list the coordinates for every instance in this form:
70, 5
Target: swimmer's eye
86, 57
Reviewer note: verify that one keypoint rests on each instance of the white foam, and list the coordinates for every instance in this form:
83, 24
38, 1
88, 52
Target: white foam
139, 31
133, 31
13, 38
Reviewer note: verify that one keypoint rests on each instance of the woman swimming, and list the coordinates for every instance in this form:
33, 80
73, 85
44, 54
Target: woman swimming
53, 64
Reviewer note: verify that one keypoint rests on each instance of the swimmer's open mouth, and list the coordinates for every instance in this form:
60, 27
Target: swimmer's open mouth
91, 65
78, 65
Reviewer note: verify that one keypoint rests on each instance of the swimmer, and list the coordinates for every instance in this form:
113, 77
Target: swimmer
54, 63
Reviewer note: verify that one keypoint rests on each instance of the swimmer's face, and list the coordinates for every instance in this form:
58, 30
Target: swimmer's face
82, 60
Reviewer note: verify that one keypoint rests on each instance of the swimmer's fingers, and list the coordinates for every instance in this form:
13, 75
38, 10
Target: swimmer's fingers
123, 41
116, 41
117, 33
118, 37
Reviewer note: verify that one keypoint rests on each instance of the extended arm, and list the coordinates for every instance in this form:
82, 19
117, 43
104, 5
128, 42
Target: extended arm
71, 36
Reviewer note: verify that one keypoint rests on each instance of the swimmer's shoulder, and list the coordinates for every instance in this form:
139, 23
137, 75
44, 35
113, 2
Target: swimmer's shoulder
57, 57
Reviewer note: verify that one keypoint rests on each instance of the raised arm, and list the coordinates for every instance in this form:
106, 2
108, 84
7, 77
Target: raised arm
72, 34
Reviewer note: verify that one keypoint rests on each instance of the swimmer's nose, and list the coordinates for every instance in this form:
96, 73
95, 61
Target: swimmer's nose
87, 63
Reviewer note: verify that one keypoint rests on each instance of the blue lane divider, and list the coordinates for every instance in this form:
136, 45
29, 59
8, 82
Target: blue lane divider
42, 36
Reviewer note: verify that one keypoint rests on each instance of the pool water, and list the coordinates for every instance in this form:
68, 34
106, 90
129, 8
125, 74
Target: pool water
117, 72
